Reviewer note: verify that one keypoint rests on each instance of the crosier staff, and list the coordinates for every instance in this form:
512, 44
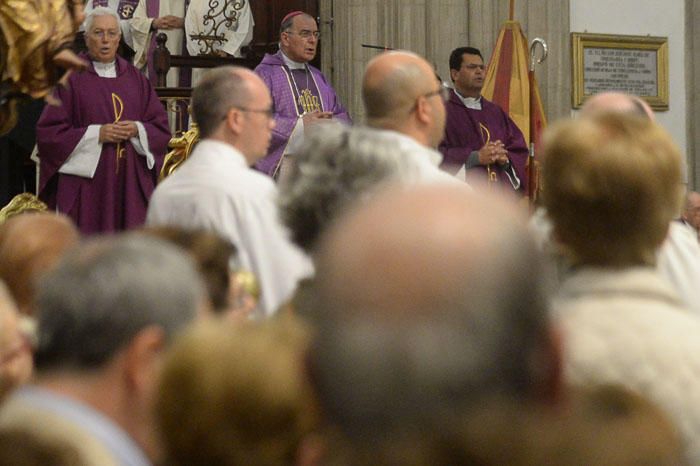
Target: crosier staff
532, 170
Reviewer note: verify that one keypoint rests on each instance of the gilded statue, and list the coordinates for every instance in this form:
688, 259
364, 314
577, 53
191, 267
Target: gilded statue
20, 204
35, 50
181, 149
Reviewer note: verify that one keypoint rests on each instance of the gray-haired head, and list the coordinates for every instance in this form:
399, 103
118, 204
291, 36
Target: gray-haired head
105, 292
99, 11
427, 302
336, 167
219, 89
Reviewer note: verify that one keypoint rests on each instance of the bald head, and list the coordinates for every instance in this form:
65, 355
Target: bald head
392, 83
30, 245
433, 242
219, 90
616, 102
431, 297
233, 105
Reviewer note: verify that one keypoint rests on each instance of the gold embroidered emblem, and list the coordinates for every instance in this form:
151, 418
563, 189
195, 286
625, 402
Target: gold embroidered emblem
308, 102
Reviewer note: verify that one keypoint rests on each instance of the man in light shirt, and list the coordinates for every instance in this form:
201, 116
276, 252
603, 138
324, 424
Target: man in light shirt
403, 98
216, 189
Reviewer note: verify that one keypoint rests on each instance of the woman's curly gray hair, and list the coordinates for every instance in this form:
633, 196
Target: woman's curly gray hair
336, 167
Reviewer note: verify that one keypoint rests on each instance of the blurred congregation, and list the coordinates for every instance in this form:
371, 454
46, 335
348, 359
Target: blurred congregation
211, 255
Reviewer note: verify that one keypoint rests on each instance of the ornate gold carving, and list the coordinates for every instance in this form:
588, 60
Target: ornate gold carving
181, 149
22, 203
34, 43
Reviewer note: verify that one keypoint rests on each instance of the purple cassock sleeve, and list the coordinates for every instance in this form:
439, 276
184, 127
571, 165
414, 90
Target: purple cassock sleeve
116, 197
57, 135
464, 134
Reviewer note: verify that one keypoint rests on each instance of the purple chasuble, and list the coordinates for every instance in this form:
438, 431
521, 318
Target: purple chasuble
464, 134
286, 104
116, 198
125, 10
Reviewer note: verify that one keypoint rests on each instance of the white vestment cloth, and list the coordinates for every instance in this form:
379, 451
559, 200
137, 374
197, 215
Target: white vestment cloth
679, 263
141, 35
216, 190
239, 34
425, 159
678, 258
627, 327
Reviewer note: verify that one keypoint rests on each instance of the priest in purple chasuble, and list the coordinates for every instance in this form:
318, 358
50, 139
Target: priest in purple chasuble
100, 150
301, 94
481, 143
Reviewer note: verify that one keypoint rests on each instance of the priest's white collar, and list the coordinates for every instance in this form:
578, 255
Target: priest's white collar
105, 70
291, 64
470, 102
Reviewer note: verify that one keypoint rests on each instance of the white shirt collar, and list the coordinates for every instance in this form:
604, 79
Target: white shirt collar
99, 425
105, 70
433, 156
291, 64
470, 102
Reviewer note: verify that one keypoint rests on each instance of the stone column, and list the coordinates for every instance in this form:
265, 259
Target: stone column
431, 28
692, 70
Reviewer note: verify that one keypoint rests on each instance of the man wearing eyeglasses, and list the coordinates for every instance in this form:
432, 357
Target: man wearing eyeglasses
479, 136
300, 92
403, 97
125, 11
216, 189
100, 151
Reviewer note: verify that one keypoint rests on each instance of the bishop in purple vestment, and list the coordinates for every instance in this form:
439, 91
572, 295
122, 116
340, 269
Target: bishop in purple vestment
479, 135
101, 150
301, 94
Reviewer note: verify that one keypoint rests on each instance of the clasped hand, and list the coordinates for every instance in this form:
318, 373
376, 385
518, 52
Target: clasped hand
168, 22
493, 152
118, 132
313, 118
